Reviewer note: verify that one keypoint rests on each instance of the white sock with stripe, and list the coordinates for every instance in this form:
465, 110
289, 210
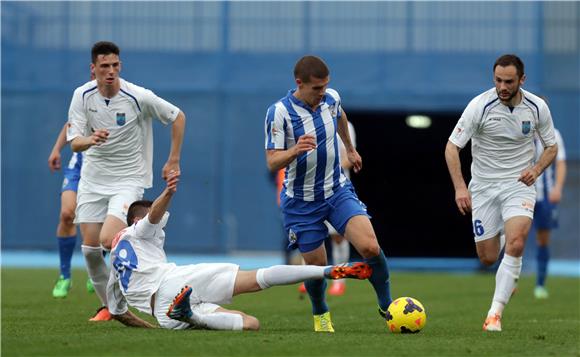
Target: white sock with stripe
506, 280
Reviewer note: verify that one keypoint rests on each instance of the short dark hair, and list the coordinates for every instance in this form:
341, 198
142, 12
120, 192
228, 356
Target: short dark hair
104, 48
310, 66
510, 60
138, 209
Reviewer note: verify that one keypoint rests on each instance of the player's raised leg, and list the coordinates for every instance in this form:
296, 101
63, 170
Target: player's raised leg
361, 234
256, 280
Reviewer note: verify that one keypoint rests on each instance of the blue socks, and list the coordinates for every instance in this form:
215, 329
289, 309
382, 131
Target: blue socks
380, 279
66, 246
542, 259
316, 289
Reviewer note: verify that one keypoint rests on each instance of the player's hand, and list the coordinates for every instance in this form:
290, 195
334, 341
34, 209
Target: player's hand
170, 166
172, 180
54, 161
529, 176
99, 136
305, 143
555, 195
463, 200
355, 160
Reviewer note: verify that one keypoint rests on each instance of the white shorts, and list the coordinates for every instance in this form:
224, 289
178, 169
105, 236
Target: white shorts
212, 283
494, 203
94, 204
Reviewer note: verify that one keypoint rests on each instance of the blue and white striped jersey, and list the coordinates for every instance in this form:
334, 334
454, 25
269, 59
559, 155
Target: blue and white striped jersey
314, 175
546, 181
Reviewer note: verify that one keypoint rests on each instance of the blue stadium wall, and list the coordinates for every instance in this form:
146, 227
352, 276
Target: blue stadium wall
224, 63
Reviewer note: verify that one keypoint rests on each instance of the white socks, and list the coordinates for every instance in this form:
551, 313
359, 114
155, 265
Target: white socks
340, 252
287, 274
506, 280
217, 321
97, 269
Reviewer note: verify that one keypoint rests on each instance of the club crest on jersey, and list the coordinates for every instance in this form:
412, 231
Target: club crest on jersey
526, 127
120, 119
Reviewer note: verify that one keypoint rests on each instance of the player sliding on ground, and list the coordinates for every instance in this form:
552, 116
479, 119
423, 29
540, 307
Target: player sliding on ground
142, 278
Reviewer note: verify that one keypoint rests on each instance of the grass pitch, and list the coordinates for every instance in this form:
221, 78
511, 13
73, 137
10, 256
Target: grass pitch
35, 324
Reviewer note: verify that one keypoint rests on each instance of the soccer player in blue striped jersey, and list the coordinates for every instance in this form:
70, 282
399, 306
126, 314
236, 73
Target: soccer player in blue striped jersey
300, 132
66, 230
549, 187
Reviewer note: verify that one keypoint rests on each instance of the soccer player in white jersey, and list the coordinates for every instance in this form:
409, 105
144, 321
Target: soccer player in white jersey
143, 278
110, 120
549, 187
300, 132
501, 124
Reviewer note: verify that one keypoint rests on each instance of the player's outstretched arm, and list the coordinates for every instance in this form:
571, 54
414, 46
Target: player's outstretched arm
177, 132
131, 320
160, 205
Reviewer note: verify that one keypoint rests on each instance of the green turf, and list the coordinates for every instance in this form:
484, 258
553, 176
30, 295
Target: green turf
33, 323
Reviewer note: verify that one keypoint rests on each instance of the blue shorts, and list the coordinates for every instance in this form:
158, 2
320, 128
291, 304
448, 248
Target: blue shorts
304, 220
72, 173
545, 215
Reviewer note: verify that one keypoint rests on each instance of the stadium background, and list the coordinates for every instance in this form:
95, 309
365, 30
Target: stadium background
224, 63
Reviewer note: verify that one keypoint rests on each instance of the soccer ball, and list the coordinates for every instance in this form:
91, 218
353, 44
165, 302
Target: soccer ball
406, 315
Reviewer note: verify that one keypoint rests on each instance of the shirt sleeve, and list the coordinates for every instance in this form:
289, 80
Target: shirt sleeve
147, 230
77, 120
336, 107
159, 108
274, 128
467, 124
116, 302
545, 127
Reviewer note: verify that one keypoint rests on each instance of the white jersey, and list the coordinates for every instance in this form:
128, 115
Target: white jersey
502, 138
342, 150
547, 179
128, 152
138, 266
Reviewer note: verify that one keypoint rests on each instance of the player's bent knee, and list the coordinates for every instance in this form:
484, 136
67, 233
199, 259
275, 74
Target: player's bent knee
488, 260
370, 250
515, 248
251, 323
67, 216
106, 242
